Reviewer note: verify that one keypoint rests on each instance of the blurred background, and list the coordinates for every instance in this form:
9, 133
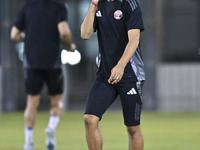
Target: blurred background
170, 47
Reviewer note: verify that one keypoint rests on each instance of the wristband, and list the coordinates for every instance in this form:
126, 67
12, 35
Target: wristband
96, 5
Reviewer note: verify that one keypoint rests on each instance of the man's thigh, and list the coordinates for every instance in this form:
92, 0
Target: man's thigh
101, 96
54, 81
33, 81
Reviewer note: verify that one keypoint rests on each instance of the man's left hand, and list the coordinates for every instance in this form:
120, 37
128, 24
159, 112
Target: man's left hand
116, 74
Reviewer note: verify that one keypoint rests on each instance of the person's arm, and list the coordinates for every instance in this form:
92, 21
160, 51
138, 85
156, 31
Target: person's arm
17, 35
118, 71
65, 35
87, 29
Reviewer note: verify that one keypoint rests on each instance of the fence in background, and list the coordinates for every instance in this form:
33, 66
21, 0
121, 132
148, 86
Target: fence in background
178, 87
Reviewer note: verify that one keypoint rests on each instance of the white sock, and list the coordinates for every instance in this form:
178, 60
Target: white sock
28, 135
53, 122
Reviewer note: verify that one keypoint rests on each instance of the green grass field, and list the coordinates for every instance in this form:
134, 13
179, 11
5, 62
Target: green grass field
161, 131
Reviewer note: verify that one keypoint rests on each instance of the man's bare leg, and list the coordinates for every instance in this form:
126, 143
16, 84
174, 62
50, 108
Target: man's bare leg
93, 134
135, 138
29, 119
56, 105
55, 112
31, 110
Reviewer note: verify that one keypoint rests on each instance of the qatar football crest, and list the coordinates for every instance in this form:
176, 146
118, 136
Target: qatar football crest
118, 14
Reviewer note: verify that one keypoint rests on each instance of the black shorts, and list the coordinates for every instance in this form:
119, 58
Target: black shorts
102, 95
35, 79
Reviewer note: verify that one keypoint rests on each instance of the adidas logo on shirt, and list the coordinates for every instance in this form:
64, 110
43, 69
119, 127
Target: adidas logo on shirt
132, 92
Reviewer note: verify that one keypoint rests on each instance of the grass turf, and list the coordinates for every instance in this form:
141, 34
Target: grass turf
161, 131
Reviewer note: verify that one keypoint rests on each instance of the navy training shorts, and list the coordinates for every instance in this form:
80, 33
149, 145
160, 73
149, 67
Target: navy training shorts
35, 79
102, 95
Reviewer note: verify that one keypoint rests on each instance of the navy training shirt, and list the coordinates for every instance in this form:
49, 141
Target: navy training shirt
112, 24
39, 20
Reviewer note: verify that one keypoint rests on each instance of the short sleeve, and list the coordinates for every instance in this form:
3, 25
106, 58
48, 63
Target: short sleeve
134, 15
20, 22
62, 14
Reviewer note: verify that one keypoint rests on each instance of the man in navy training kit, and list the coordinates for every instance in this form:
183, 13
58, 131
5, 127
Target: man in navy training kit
41, 24
120, 69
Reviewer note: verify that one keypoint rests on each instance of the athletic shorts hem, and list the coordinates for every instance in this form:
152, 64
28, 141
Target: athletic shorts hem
131, 124
36, 93
94, 115
57, 93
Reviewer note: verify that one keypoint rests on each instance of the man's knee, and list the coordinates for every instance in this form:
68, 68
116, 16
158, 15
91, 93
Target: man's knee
56, 101
33, 102
57, 104
133, 130
91, 119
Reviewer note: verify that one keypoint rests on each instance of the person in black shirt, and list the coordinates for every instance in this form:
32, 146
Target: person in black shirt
41, 24
120, 67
